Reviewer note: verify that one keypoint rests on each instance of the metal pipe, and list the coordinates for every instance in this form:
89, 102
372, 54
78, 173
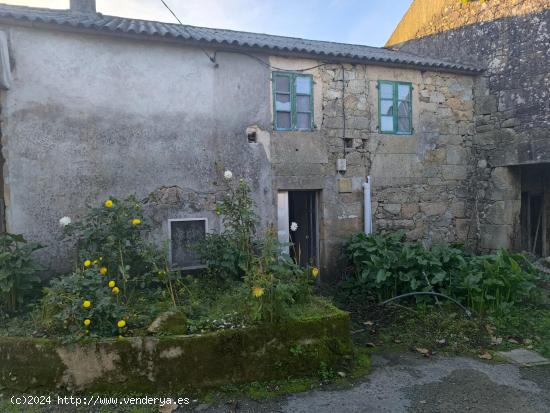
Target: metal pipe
367, 218
468, 312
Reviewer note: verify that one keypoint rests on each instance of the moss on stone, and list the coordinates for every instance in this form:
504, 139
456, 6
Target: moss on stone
177, 363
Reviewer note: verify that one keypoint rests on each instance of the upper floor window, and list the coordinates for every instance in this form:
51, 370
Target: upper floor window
293, 101
395, 107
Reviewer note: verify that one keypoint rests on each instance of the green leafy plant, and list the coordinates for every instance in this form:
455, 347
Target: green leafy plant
385, 265
272, 282
230, 253
18, 271
497, 282
275, 282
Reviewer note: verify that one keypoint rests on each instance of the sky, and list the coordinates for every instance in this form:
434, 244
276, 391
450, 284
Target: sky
368, 22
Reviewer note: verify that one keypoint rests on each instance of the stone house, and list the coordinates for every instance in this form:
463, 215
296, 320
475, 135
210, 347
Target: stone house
96, 106
510, 204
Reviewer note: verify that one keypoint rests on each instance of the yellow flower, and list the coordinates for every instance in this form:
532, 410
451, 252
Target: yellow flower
258, 292
86, 304
112, 284
109, 203
87, 322
103, 270
95, 262
87, 263
136, 221
121, 324
115, 290
315, 272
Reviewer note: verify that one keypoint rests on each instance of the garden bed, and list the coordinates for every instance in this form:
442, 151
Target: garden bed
294, 348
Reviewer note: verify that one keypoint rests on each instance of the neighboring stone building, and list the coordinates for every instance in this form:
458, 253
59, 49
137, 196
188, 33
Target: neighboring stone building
510, 198
96, 106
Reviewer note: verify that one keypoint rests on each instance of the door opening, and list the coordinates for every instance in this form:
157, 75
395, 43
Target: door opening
533, 222
302, 210
299, 207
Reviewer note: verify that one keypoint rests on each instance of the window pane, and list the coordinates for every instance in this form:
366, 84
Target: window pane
303, 104
303, 85
386, 123
283, 120
404, 109
403, 125
386, 107
303, 121
404, 92
386, 91
282, 102
282, 84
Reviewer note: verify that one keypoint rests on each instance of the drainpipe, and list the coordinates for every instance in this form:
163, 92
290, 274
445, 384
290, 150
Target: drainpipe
367, 219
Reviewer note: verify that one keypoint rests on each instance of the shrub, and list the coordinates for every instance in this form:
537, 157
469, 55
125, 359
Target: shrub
18, 271
118, 272
65, 304
230, 253
386, 266
273, 282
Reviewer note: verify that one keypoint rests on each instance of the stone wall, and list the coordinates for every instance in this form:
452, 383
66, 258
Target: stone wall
511, 39
418, 180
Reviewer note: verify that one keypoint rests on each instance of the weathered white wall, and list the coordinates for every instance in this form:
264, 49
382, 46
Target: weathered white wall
91, 117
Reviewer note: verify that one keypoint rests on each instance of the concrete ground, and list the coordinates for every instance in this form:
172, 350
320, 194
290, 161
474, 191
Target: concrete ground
411, 383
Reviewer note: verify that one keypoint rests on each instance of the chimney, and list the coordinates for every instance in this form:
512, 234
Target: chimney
83, 6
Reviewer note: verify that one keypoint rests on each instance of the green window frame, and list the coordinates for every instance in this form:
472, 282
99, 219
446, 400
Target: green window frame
395, 107
292, 101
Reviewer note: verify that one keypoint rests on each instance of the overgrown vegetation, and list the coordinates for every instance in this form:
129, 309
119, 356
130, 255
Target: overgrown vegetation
387, 266
121, 282
18, 272
508, 295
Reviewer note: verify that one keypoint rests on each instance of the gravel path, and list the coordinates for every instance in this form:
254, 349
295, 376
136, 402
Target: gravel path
410, 383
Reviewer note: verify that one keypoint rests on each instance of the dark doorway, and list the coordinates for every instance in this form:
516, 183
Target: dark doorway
532, 222
302, 210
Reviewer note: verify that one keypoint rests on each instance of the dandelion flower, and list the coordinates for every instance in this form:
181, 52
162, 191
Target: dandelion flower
112, 284
65, 221
136, 221
258, 292
315, 272
115, 290
86, 304
103, 270
294, 227
228, 175
121, 324
87, 322
87, 263
108, 203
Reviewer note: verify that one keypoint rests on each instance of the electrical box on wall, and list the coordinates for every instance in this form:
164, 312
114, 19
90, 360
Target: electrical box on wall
341, 165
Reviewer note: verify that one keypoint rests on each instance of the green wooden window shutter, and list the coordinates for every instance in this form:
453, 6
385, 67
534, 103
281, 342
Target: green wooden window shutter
292, 101
395, 107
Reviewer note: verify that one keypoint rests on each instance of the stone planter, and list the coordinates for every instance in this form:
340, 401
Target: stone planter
172, 363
